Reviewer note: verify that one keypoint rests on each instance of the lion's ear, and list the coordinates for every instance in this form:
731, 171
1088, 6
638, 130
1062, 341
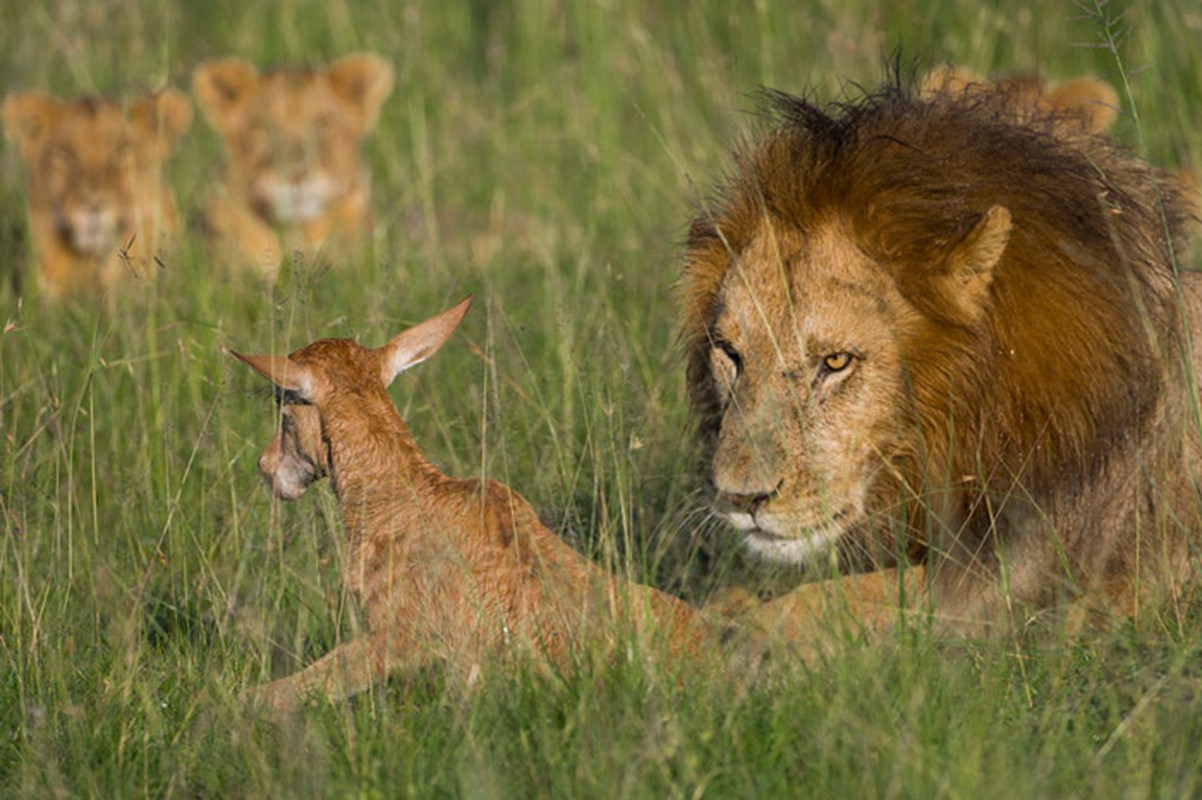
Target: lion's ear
222, 88
364, 80
27, 117
967, 274
164, 115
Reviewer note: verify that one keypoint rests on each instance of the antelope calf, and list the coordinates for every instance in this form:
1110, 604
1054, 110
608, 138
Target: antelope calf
447, 571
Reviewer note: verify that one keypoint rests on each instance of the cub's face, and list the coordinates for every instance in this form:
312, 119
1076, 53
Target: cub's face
292, 137
94, 166
806, 362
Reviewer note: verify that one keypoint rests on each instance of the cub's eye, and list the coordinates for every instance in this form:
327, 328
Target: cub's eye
60, 159
323, 124
836, 362
122, 152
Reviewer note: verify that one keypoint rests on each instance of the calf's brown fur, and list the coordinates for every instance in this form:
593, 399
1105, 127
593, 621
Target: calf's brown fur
448, 571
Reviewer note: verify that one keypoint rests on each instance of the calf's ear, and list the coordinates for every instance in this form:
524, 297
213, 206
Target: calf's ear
283, 372
418, 343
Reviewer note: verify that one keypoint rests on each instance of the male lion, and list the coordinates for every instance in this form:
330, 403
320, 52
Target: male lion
948, 330
98, 205
293, 166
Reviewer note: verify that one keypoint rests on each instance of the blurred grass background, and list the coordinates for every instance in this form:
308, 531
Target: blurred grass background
545, 156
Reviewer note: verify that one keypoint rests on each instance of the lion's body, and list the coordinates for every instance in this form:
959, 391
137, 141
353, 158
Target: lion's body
99, 207
941, 330
294, 174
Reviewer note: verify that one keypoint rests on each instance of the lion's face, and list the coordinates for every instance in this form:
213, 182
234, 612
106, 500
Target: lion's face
947, 330
292, 137
809, 378
95, 167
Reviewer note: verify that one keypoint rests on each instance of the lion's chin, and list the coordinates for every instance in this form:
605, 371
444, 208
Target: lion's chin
811, 547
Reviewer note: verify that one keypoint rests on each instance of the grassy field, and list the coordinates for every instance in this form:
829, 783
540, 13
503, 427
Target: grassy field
546, 156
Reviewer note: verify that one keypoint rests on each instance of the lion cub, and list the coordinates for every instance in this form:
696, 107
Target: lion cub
294, 177
447, 571
1082, 104
99, 208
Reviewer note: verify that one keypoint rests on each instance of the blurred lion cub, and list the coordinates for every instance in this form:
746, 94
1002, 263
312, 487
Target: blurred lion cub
294, 177
1081, 104
98, 206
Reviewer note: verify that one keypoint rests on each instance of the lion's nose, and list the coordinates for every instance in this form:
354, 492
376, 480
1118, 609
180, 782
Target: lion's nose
747, 503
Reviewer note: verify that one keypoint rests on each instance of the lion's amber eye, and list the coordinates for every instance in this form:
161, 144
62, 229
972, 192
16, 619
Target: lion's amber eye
731, 353
726, 364
836, 362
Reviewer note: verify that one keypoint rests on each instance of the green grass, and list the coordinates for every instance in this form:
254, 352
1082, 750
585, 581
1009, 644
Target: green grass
146, 578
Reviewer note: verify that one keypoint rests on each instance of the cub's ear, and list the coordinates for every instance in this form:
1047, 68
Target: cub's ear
165, 115
948, 80
364, 80
415, 345
283, 372
27, 118
222, 88
1093, 101
964, 280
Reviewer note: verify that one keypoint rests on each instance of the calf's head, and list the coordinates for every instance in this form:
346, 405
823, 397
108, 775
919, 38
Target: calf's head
308, 382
